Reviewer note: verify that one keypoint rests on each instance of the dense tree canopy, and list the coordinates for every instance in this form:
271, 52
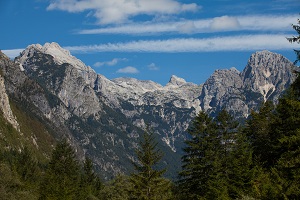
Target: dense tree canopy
62, 177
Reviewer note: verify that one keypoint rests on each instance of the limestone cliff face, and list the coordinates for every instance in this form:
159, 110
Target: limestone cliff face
265, 77
268, 74
4, 101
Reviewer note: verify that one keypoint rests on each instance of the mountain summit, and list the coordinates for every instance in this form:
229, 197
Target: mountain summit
176, 81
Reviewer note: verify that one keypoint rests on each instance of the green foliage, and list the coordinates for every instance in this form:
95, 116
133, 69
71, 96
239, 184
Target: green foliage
199, 158
19, 175
11, 186
61, 180
148, 182
259, 130
117, 189
217, 161
287, 129
90, 183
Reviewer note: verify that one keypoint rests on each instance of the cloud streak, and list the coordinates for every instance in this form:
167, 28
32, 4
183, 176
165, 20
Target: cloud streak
116, 11
109, 63
128, 70
224, 23
216, 44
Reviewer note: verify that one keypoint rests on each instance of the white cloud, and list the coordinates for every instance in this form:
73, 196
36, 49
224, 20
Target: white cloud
153, 67
230, 43
128, 70
109, 63
188, 27
116, 11
215, 44
225, 23
12, 53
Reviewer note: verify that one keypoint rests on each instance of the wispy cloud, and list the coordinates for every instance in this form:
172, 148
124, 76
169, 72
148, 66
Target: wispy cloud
214, 44
115, 11
230, 43
223, 23
153, 67
128, 70
109, 63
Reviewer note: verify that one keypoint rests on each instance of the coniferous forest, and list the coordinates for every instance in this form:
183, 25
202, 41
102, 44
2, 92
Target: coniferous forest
223, 159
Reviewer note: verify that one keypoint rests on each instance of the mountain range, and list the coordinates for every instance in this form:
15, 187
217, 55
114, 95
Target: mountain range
48, 94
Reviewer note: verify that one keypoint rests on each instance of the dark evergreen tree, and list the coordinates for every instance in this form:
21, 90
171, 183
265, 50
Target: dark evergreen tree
90, 183
232, 166
287, 129
261, 136
200, 157
148, 181
61, 180
226, 127
240, 164
217, 161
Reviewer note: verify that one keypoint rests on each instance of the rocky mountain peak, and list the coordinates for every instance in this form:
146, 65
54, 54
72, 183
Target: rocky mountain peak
266, 61
59, 54
267, 71
176, 81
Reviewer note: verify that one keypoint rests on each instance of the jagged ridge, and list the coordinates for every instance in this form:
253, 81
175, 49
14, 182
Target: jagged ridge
102, 117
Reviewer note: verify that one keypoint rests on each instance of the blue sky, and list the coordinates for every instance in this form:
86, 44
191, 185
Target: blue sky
153, 39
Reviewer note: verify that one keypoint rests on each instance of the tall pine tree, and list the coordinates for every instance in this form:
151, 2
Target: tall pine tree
259, 129
148, 182
200, 156
90, 183
61, 180
217, 159
287, 129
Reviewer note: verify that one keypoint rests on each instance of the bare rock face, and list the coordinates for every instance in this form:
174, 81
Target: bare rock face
222, 90
64, 75
5, 107
265, 77
4, 101
268, 74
